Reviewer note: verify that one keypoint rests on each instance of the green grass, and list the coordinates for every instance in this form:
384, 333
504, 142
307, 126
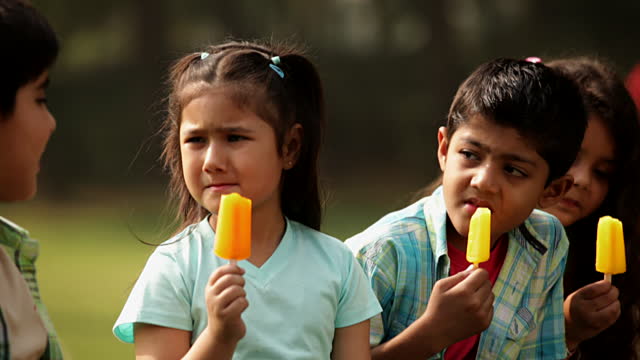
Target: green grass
90, 258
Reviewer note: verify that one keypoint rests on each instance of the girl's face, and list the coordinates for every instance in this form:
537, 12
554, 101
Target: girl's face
591, 172
226, 149
23, 137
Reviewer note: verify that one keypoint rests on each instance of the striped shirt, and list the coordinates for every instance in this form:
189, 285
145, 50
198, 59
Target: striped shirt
405, 253
24, 250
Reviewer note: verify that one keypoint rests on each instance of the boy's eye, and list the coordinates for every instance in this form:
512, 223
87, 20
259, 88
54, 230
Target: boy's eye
515, 171
42, 100
469, 155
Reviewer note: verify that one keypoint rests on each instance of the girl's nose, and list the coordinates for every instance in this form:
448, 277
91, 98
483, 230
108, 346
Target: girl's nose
581, 175
214, 160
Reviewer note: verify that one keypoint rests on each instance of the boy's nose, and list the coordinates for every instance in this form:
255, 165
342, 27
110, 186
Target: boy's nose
485, 179
52, 121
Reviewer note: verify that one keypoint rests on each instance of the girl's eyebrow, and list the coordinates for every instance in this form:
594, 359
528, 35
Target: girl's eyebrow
233, 129
191, 129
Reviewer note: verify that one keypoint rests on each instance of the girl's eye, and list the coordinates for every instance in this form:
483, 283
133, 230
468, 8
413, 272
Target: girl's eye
42, 100
235, 138
515, 171
195, 139
602, 174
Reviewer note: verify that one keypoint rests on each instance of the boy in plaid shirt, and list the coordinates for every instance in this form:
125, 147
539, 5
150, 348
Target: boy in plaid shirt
513, 131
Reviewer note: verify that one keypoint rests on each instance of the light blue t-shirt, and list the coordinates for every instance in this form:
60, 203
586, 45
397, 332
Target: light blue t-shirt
310, 286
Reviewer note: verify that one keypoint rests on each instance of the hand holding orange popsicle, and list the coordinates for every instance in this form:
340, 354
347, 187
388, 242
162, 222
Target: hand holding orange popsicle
610, 256
233, 229
479, 239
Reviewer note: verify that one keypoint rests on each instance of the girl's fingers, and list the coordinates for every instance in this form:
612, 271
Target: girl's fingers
226, 281
223, 270
228, 297
236, 307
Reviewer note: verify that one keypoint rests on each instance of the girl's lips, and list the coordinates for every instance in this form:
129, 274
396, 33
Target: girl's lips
221, 188
569, 203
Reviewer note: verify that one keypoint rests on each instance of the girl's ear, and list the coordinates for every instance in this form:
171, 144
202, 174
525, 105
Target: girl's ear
555, 191
443, 146
291, 146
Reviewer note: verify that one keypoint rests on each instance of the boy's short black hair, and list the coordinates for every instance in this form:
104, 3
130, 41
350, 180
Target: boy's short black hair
542, 105
29, 47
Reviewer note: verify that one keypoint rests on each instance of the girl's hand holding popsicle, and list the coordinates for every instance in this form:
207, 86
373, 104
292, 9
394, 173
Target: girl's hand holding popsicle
225, 295
594, 307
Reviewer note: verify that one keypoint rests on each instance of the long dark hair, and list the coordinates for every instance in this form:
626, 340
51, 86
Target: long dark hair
604, 95
296, 98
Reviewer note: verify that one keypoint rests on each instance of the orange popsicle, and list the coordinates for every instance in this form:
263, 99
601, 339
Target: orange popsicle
479, 239
610, 258
233, 229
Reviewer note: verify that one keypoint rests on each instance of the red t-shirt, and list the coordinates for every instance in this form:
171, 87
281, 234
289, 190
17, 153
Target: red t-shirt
467, 348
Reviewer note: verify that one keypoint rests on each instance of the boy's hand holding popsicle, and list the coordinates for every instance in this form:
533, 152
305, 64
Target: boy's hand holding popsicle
594, 307
225, 295
462, 305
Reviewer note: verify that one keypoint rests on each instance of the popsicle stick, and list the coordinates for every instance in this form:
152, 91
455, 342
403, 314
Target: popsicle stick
476, 265
233, 261
607, 277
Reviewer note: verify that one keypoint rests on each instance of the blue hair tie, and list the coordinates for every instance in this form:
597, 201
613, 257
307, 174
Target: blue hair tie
204, 55
274, 66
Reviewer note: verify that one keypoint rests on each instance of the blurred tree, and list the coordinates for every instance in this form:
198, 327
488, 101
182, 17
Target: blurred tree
390, 70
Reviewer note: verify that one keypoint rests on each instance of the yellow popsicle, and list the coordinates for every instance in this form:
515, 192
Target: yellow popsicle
233, 229
479, 239
610, 256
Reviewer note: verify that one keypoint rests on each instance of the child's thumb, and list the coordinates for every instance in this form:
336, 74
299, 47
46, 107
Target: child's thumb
453, 280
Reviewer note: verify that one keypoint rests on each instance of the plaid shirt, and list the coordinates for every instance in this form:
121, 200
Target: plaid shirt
405, 253
24, 251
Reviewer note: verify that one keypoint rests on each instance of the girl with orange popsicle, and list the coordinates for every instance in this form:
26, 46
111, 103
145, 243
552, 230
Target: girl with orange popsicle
600, 315
242, 138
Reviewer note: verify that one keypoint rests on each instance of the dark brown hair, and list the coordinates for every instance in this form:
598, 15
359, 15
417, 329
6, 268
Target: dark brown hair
541, 104
296, 98
29, 47
605, 96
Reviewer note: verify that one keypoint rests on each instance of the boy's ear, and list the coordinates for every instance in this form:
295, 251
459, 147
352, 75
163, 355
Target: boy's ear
291, 146
443, 146
555, 191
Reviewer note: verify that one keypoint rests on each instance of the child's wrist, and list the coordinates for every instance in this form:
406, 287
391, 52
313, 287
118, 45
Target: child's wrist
436, 340
219, 337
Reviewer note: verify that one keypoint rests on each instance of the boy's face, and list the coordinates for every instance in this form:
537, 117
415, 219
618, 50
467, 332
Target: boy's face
23, 137
486, 165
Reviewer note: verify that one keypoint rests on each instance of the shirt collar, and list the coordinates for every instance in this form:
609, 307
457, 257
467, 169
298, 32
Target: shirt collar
11, 235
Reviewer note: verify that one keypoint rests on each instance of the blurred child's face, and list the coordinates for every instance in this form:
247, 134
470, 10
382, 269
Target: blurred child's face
590, 172
226, 149
23, 137
486, 165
